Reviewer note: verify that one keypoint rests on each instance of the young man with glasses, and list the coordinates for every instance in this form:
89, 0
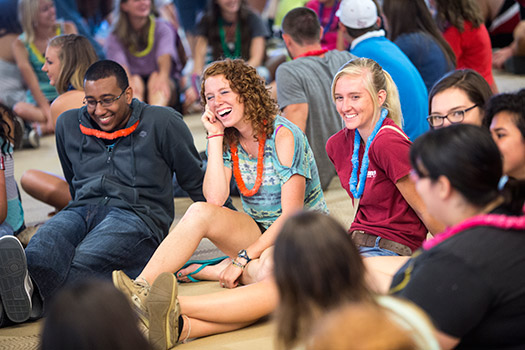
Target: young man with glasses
118, 156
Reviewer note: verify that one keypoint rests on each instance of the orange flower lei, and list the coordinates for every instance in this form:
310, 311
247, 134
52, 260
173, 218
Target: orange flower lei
106, 135
260, 168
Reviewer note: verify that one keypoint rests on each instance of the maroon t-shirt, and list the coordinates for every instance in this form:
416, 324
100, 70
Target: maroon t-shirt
382, 210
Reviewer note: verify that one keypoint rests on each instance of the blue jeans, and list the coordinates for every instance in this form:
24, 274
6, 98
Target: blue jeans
367, 252
88, 241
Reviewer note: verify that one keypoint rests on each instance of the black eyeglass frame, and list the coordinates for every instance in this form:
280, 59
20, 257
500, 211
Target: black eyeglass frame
441, 118
105, 102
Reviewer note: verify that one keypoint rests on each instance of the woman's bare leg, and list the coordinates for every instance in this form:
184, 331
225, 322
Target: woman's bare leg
46, 187
229, 230
242, 305
29, 112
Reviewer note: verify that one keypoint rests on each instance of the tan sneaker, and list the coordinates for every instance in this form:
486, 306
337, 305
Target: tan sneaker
136, 292
164, 312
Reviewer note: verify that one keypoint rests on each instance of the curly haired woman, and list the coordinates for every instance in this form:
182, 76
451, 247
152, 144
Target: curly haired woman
274, 168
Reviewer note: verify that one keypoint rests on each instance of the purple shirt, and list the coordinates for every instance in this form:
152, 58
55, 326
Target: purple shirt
164, 43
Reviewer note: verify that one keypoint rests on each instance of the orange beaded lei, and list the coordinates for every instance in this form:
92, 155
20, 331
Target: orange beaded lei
260, 168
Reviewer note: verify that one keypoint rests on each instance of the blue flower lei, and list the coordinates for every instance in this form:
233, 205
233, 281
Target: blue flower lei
357, 190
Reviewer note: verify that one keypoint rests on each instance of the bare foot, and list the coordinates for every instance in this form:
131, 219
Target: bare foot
208, 273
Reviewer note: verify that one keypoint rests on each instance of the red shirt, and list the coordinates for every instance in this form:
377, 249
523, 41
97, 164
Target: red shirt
472, 48
382, 210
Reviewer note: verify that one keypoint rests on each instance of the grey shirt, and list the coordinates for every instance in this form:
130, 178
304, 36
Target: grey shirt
309, 80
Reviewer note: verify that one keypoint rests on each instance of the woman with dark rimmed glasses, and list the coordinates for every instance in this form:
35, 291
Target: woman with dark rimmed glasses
458, 97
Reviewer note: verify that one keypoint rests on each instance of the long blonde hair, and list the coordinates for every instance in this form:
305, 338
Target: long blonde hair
129, 37
375, 80
76, 54
27, 15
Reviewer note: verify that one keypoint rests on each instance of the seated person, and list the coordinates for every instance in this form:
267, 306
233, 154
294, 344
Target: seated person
371, 158
469, 278
38, 20
458, 97
118, 156
505, 116
228, 29
11, 212
145, 46
91, 314
275, 171
68, 57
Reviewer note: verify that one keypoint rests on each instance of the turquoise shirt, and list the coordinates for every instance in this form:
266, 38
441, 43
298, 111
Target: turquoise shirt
15, 213
265, 206
48, 90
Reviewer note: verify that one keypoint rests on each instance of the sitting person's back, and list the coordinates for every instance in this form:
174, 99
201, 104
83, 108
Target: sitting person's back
419, 39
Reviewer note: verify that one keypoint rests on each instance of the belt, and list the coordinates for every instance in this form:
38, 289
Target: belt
363, 239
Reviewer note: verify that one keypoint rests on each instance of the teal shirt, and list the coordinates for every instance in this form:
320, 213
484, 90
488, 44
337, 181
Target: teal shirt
15, 213
48, 90
265, 206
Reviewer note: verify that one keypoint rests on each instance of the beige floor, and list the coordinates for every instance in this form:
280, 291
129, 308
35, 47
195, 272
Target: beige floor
258, 336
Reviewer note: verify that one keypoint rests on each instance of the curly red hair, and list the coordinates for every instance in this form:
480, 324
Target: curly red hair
260, 108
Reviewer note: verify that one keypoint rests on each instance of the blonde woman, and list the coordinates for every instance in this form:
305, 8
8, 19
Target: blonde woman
67, 59
371, 158
38, 19
145, 46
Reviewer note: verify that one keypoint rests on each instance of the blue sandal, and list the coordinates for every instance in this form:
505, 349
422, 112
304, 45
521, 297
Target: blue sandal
203, 263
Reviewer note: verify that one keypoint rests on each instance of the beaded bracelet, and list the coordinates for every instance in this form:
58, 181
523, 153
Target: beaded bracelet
238, 264
212, 136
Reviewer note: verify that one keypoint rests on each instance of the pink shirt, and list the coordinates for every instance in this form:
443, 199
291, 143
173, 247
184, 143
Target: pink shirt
329, 40
382, 210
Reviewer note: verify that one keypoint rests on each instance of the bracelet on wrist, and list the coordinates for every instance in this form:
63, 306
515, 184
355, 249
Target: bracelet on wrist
237, 264
212, 136
244, 255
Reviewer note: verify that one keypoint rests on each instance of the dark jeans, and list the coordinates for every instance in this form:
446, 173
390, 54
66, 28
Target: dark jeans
89, 241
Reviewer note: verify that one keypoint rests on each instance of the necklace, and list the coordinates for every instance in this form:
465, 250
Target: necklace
312, 53
40, 58
260, 167
225, 49
494, 220
327, 26
151, 40
357, 190
108, 135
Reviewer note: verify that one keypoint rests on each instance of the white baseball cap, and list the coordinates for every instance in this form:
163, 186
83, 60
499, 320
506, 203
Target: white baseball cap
357, 14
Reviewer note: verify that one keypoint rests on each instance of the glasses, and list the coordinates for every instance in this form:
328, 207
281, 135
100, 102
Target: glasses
104, 102
454, 117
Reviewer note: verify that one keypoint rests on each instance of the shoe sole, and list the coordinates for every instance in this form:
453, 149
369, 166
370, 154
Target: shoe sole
161, 299
119, 283
13, 273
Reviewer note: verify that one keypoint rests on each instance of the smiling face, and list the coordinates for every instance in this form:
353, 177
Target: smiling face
117, 114
52, 64
454, 99
355, 104
223, 102
510, 143
229, 6
46, 13
136, 8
